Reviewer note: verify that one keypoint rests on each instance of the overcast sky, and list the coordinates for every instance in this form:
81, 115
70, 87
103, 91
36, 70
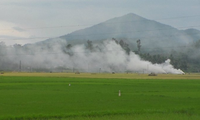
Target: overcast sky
29, 21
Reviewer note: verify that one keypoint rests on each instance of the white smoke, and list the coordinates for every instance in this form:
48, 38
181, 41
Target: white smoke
105, 57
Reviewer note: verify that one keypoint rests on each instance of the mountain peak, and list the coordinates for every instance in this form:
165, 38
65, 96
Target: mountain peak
128, 17
132, 15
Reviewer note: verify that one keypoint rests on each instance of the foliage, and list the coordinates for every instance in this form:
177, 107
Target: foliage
181, 61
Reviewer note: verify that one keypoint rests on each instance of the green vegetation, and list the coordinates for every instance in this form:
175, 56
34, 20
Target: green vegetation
97, 98
186, 58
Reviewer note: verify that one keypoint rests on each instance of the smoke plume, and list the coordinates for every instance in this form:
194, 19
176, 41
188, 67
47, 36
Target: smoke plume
105, 57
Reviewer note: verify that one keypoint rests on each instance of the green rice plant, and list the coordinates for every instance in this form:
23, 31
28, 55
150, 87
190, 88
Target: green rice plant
36, 98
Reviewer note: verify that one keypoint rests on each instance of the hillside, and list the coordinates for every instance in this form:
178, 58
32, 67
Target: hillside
193, 33
130, 28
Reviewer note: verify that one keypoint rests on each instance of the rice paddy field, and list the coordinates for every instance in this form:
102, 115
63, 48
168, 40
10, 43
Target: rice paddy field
95, 96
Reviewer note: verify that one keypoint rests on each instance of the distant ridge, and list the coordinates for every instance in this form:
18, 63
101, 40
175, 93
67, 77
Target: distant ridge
132, 27
193, 33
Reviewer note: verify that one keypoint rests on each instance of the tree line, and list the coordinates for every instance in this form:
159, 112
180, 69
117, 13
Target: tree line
188, 59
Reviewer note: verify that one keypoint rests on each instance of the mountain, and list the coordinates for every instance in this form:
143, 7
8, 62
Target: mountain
158, 43
132, 27
154, 36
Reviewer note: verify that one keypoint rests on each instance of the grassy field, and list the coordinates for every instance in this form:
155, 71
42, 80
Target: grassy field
48, 96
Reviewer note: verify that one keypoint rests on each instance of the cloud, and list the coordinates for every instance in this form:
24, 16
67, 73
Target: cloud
19, 29
10, 33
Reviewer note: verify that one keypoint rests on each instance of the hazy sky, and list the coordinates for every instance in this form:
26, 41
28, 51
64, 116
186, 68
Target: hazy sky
28, 21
